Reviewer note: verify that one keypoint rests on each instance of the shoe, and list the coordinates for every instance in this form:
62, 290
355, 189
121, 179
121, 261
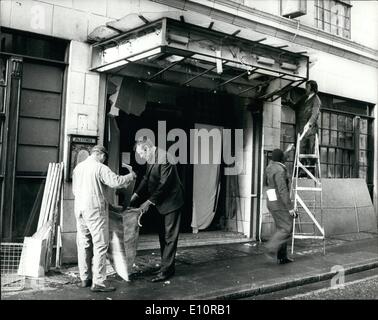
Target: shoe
97, 288
162, 276
155, 272
284, 261
84, 283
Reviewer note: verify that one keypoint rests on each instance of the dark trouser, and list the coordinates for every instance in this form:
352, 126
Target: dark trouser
308, 144
168, 236
284, 226
308, 147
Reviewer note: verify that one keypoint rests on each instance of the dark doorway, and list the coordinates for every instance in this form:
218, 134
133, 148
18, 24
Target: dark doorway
129, 126
189, 108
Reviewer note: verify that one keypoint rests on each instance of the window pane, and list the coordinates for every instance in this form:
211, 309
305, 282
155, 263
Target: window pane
327, 16
349, 140
363, 141
363, 126
42, 77
38, 132
346, 157
334, 29
333, 138
331, 155
347, 24
325, 137
287, 115
324, 170
363, 158
339, 156
333, 121
325, 120
21, 44
347, 173
362, 174
341, 139
349, 124
40, 104
35, 159
287, 133
339, 171
341, 123
26, 191
331, 171
323, 155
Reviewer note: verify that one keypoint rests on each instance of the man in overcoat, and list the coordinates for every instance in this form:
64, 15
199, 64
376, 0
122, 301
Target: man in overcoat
280, 206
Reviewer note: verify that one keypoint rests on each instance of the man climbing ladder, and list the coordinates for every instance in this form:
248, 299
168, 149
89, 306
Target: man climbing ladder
307, 192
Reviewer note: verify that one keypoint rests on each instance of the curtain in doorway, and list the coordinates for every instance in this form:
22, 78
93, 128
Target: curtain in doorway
206, 180
130, 96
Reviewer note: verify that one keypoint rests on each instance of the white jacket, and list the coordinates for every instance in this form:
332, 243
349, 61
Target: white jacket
89, 180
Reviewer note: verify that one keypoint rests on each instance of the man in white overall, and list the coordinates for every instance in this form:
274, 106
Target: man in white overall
90, 178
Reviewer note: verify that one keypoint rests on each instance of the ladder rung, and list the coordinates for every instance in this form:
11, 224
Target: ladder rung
304, 236
299, 222
308, 189
303, 155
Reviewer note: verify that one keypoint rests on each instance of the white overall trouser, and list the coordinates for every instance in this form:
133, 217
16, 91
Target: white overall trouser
92, 244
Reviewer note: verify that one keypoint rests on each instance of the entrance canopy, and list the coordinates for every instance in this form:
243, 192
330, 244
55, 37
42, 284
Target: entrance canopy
175, 52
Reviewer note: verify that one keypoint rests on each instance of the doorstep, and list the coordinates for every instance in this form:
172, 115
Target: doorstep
151, 241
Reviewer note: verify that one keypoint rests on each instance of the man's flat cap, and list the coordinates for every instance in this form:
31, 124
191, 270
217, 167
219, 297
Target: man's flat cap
99, 148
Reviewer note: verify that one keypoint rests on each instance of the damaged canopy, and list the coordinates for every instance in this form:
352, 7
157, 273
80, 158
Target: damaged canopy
176, 52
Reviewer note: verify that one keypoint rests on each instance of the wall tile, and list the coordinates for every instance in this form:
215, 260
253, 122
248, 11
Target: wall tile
76, 87
276, 112
69, 220
5, 13
91, 89
70, 24
271, 138
69, 247
67, 191
33, 16
98, 6
117, 9
61, 3
80, 56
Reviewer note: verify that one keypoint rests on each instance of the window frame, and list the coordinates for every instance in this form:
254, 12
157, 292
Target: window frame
345, 156
324, 16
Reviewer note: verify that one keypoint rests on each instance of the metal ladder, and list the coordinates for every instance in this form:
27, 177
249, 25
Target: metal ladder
303, 205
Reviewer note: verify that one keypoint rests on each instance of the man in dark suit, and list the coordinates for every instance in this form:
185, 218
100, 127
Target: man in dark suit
307, 111
162, 188
280, 206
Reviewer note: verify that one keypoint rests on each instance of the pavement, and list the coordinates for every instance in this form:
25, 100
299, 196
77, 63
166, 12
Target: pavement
223, 271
